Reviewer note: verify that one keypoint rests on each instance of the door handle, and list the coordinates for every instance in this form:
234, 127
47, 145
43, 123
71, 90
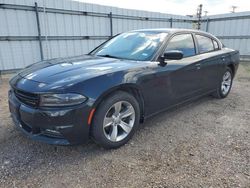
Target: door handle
223, 58
198, 66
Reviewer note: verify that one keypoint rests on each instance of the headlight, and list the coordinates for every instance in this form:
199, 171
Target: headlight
69, 99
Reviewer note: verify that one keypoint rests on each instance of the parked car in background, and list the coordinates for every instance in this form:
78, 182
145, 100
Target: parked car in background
105, 95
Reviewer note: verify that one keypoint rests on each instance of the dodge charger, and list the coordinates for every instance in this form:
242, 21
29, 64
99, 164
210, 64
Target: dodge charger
107, 93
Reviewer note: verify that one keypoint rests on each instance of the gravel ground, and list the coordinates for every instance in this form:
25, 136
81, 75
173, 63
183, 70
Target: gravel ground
203, 144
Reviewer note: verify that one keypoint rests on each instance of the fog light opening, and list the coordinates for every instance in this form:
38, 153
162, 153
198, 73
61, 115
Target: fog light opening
52, 133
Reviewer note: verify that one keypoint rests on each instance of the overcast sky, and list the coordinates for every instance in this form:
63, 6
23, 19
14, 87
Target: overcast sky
181, 7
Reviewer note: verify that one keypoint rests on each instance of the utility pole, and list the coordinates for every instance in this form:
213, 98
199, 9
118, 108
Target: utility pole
198, 14
233, 9
205, 12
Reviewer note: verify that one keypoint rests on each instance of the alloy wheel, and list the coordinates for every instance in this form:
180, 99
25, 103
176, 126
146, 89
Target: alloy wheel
226, 83
119, 121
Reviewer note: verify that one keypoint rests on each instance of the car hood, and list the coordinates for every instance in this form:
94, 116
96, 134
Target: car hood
75, 68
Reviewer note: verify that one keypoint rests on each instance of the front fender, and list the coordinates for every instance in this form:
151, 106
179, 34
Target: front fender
97, 88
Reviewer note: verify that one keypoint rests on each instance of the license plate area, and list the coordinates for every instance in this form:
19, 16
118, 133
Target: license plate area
14, 109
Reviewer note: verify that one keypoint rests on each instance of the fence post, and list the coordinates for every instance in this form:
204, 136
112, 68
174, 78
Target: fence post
207, 25
111, 24
171, 22
39, 32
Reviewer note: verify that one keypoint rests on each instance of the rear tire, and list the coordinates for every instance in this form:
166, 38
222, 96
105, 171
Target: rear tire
115, 121
225, 84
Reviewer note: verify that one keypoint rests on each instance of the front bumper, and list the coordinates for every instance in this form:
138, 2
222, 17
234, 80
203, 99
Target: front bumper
60, 126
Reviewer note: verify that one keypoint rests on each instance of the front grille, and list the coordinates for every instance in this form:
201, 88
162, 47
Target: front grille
27, 98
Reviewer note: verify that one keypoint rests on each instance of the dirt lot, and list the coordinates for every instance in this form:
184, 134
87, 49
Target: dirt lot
203, 144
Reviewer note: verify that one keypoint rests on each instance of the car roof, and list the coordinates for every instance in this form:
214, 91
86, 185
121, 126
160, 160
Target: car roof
177, 30
172, 30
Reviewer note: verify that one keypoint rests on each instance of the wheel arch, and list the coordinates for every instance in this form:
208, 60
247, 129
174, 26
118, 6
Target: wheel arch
132, 89
232, 67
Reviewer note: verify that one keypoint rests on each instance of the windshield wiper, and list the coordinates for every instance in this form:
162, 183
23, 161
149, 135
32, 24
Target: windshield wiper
107, 55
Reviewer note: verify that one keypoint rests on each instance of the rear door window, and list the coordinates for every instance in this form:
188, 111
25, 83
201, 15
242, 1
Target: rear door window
216, 45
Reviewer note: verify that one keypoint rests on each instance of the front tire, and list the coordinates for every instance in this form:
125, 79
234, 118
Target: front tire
115, 120
225, 84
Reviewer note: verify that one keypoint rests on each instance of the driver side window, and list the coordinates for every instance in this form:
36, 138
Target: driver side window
183, 43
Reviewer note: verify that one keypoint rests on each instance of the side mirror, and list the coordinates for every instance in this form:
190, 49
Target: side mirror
173, 55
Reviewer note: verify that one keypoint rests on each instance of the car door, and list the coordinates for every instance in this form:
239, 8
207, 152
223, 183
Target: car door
185, 73
177, 80
211, 61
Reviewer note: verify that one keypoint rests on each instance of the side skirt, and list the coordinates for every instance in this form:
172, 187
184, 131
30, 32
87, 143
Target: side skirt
175, 106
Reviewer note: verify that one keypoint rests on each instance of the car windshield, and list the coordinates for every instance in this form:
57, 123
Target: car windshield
137, 45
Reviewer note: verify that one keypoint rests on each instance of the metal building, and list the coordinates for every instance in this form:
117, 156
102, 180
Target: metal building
232, 29
32, 30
